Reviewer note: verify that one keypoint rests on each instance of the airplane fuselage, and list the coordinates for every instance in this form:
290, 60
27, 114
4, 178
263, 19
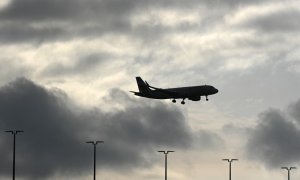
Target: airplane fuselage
193, 93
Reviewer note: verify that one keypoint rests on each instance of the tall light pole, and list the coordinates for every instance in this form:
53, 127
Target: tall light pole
14, 151
230, 161
94, 143
288, 169
166, 161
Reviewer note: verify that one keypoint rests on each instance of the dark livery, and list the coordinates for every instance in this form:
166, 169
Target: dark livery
193, 93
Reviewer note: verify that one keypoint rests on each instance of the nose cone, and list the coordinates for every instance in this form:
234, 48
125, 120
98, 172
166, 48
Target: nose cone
216, 91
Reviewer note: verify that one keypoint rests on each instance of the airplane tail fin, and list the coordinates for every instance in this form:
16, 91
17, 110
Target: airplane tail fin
143, 86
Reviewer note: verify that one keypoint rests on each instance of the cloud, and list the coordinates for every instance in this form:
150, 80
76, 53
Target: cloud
79, 66
35, 10
268, 17
55, 131
11, 68
40, 10
208, 140
274, 141
46, 20
284, 21
19, 32
293, 110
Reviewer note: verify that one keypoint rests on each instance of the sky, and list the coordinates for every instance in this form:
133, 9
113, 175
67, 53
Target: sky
67, 67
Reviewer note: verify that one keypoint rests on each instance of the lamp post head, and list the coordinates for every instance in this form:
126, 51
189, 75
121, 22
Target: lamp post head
94, 142
288, 168
14, 132
165, 152
230, 160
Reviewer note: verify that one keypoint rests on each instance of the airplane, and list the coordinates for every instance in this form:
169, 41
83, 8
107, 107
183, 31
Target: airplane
192, 93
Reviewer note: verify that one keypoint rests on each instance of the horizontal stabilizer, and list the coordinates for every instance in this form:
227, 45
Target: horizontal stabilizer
133, 92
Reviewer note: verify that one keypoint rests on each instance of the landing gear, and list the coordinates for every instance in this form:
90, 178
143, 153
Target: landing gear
173, 101
206, 98
182, 102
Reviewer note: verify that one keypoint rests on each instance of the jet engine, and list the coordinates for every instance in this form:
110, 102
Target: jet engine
195, 98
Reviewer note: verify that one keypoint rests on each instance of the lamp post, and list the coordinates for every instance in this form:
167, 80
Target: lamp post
166, 161
94, 144
230, 161
14, 151
288, 169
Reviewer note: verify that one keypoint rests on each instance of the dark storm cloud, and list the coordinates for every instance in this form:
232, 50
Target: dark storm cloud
56, 131
275, 140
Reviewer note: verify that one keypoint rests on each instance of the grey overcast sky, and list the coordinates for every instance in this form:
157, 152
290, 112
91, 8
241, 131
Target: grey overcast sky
67, 67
